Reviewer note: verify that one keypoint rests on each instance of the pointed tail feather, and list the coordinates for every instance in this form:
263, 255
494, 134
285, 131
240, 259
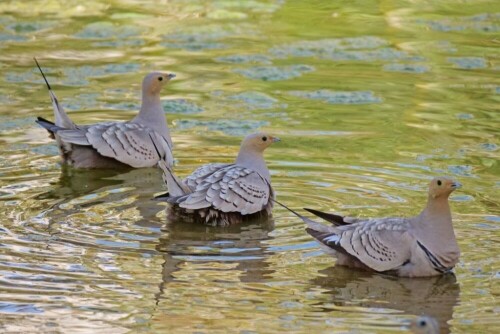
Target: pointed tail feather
45, 123
163, 196
62, 119
310, 223
175, 186
48, 125
315, 234
329, 217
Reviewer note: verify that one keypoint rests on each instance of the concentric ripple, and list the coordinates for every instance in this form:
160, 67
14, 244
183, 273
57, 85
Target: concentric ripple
370, 101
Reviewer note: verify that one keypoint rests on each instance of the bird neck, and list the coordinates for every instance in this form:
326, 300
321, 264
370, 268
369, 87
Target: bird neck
434, 229
153, 115
253, 160
438, 207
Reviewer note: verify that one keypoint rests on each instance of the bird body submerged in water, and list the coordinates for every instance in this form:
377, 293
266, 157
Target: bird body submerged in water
114, 144
424, 245
224, 194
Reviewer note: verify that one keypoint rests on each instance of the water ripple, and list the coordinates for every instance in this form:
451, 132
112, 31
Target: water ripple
274, 73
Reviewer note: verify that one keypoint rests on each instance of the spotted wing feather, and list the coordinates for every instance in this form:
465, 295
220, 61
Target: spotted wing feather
381, 244
197, 177
230, 188
129, 143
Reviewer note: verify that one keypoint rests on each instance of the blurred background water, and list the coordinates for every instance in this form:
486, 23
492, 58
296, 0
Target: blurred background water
371, 99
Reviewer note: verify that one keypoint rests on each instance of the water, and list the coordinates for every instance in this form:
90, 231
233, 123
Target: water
371, 99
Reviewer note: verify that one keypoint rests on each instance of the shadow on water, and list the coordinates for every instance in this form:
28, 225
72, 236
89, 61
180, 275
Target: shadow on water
77, 182
432, 296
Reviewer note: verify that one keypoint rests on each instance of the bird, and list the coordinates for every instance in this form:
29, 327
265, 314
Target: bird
114, 144
424, 245
424, 325
220, 194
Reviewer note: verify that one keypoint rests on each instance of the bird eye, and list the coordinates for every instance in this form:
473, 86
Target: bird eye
439, 182
422, 323
160, 78
264, 138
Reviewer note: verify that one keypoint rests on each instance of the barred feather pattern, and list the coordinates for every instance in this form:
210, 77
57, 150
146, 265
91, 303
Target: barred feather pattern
225, 194
130, 143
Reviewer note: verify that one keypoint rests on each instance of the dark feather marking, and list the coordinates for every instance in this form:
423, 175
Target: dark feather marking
132, 142
363, 243
438, 266
48, 85
121, 143
41, 119
316, 234
379, 244
374, 246
141, 148
48, 125
350, 241
43, 75
286, 207
320, 236
243, 198
330, 217
110, 146
156, 148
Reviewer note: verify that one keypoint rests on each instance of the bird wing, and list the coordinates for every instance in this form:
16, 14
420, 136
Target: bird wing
230, 188
381, 244
197, 177
129, 143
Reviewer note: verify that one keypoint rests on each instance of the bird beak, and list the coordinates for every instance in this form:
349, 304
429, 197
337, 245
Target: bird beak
456, 185
275, 139
171, 76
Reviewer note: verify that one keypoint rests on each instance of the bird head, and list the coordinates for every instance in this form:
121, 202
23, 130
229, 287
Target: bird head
154, 82
442, 186
258, 141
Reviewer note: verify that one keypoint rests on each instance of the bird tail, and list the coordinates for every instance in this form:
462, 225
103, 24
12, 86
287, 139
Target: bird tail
329, 217
310, 223
62, 119
48, 125
175, 186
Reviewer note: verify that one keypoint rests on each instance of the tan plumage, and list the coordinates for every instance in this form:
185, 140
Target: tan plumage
114, 144
224, 194
424, 245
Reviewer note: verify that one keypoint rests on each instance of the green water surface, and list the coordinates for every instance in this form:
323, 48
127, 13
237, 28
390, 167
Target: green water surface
370, 98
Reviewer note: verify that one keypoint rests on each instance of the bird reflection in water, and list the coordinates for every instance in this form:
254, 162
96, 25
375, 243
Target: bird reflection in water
241, 245
122, 189
74, 182
431, 296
